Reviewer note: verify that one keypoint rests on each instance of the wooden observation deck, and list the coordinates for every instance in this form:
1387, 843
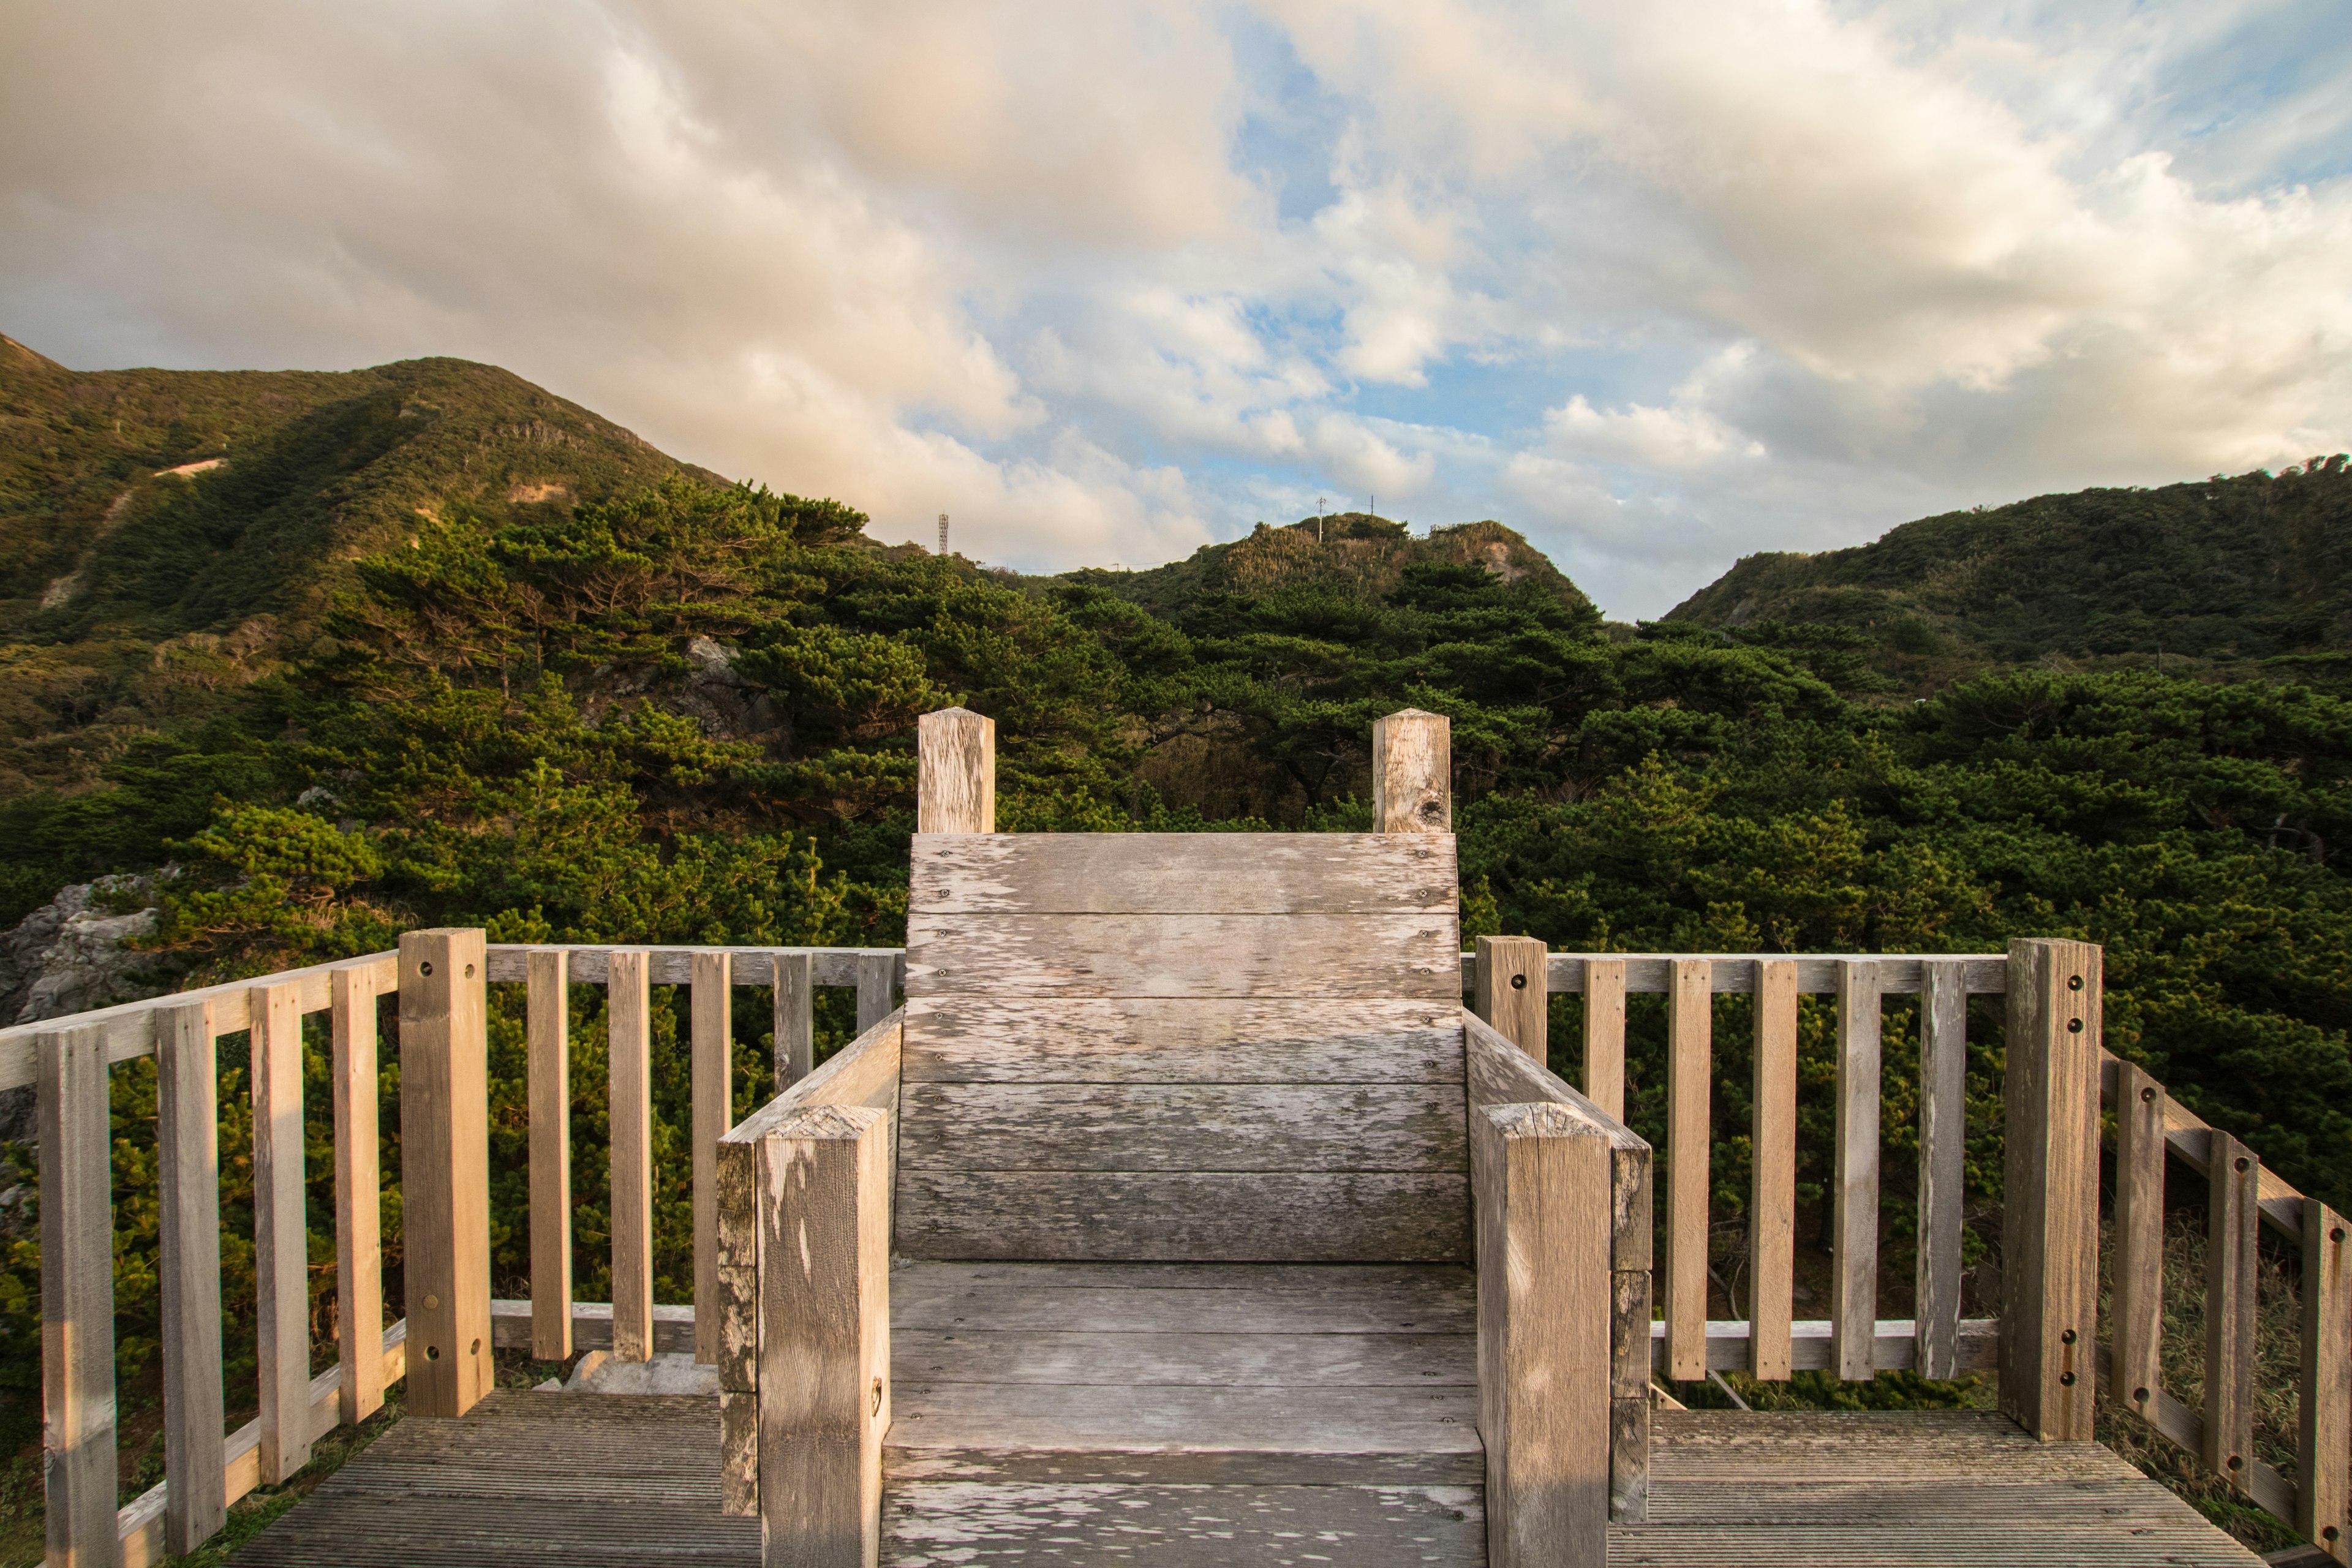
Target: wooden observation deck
1182, 1214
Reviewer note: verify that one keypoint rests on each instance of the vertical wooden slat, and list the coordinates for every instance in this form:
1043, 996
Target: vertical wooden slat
1853, 1249
1690, 1083
1413, 772
877, 974
2135, 1372
1542, 1181
1507, 990
359, 1193
547, 1030
738, 1327
2050, 1206
795, 1015
77, 1297
281, 1243
2323, 1454
1772, 1210
2231, 1258
1604, 1035
629, 1033
187, 1150
1943, 1161
955, 775
445, 1168
825, 1334
714, 1089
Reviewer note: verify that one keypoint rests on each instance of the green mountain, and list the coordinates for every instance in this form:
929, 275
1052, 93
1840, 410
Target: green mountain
2220, 576
167, 537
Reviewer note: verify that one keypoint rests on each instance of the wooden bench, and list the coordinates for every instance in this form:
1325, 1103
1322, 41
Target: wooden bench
1183, 1204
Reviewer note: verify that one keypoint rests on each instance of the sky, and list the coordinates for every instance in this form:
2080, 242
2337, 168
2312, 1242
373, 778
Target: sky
1658, 285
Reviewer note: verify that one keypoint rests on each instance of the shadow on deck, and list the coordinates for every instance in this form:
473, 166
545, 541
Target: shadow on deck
539, 1478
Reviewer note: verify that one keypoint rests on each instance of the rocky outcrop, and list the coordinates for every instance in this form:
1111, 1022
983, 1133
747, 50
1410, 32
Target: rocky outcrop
72, 955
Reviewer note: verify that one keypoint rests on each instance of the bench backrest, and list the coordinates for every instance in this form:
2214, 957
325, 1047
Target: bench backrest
1183, 1048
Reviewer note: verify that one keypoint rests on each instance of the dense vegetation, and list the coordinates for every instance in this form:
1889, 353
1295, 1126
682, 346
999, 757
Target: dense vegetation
685, 714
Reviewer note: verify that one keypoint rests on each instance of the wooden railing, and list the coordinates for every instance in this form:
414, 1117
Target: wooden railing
439, 978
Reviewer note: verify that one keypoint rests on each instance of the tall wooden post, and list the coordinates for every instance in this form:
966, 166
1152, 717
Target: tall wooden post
1690, 1162
2325, 1424
445, 1168
628, 1105
1507, 989
281, 1243
359, 1192
77, 1299
187, 1148
714, 1114
548, 1070
1413, 772
1854, 1247
955, 777
2049, 1208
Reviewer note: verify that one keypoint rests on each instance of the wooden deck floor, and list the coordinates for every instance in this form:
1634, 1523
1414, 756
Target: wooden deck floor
595, 1480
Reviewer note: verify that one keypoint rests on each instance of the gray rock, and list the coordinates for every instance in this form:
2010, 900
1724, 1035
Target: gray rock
72, 955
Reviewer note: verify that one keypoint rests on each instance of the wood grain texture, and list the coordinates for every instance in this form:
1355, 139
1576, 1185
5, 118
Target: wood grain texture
628, 1029
1245, 1300
825, 1334
877, 975
2186, 1136
1312, 1217
1735, 973
2232, 1258
359, 1194
1507, 991
2324, 1450
1183, 955
1604, 1033
863, 1072
1772, 1209
590, 964
1128, 1357
281, 1247
2135, 1370
1229, 1041
1184, 873
187, 1150
1853, 1253
793, 988
1811, 1341
2051, 1195
1690, 1092
444, 1169
1147, 1127
1542, 1188
713, 1090
1942, 1158
955, 773
1413, 772
77, 1218
547, 1030
1499, 1073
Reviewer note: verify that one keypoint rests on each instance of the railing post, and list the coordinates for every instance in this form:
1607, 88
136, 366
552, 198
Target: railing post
878, 973
794, 1012
1853, 1263
713, 1092
1690, 1084
2134, 1367
2232, 1262
1413, 772
445, 1156
1772, 1211
1508, 990
359, 1192
77, 1299
187, 1150
629, 1059
547, 1068
955, 773
2050, 1206
281, 1242
2326, 1423
1604, 1035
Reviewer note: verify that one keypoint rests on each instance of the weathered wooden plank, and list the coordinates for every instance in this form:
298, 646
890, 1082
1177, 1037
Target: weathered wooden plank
1008, 1352
1413, 772
1124, 1039
77, 1297
1629, 1458
1185, 873
1182, 1127
739, 1450
1690, 1092
1812, 1347
713, 1091
1604, 1033
589, 963
359, 1194
2233, 1256
1183, 955
2135, 1369
1542, 1187
2051, 1196
1499, 1073
445, 1168
794, 988
548, 1069
628, 1030
955, 772
1773, 1207
592, 1326
825, 1334
187, 1150
863, 1072
877, 973
281, 1251
2324, 1451
1305, 1216
1509, 991
1853, 1260
2186, 1135
1942, 1158
1898, 974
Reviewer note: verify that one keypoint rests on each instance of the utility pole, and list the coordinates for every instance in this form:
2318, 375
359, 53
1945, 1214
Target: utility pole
943, 533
